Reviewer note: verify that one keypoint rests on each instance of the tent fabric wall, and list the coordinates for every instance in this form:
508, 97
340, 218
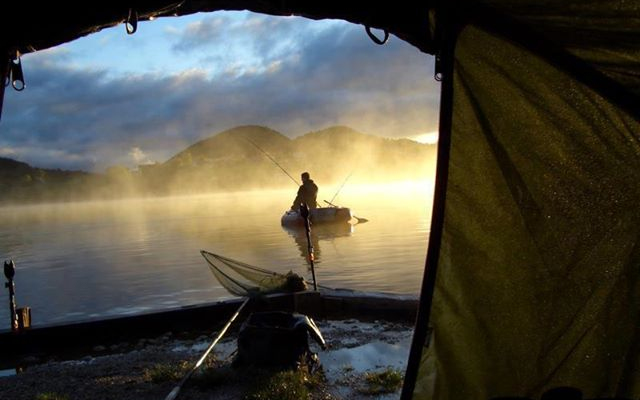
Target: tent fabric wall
538, 277
606, 34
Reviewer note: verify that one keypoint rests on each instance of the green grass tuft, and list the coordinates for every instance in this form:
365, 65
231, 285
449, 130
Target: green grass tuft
160, 373
386, 381
213, 376
284, 385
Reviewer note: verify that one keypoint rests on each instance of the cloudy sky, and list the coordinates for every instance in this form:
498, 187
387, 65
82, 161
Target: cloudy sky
113, 98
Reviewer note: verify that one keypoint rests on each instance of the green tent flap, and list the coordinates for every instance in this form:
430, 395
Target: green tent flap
605, 34
539, 262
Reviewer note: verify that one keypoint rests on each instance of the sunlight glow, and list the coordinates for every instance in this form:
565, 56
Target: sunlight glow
401, 188
427, 138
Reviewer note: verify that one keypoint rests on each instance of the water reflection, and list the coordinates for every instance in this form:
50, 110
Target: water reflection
325, 232
8, 372
91, 260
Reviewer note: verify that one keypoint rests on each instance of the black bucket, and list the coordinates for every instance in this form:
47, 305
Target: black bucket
279, 340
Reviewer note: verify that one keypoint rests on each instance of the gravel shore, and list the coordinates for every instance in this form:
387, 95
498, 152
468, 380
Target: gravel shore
150, 368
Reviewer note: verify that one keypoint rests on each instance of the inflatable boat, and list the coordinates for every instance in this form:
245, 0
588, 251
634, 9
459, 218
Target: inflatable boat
324, 215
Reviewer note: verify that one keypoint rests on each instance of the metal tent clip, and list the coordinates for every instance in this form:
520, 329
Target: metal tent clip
375, 39
132, 22
437, 71
14, 73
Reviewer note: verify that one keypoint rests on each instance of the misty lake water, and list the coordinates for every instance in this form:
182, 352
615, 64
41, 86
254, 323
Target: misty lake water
76, 261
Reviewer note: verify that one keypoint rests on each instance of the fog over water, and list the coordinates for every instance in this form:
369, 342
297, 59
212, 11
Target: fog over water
151, 147
94, 259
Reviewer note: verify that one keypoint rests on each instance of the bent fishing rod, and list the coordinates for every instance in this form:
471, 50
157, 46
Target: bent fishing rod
272, 159
341, 186
298, 184
275, 162
359, 219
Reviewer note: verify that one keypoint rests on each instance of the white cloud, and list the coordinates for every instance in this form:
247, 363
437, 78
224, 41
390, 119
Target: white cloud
139, 157
7, 151
274, 67
314, 79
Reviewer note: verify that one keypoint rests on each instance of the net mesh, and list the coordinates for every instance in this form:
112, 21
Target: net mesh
242, 279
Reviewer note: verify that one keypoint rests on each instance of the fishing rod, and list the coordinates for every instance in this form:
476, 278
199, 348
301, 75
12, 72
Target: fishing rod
359, 219
272, 159
176, 390
341, 186
275, 162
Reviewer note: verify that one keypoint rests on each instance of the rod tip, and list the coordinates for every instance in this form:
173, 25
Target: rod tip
173, 394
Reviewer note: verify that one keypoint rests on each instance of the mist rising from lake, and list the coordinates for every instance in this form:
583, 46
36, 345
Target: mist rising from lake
93, 259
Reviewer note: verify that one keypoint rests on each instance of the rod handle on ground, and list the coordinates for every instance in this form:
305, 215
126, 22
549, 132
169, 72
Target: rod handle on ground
173, 394
176, 390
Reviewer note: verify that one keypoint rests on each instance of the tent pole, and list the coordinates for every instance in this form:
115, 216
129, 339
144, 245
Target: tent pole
421, 330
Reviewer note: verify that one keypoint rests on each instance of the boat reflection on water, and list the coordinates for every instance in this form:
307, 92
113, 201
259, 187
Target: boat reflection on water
319, 232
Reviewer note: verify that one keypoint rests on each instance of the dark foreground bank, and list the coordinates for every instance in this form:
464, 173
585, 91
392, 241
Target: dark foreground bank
363, 360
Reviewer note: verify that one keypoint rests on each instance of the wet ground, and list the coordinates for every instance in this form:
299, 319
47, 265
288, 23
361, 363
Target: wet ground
151, 368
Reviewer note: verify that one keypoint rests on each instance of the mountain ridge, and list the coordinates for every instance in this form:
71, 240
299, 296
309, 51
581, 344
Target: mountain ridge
240, 158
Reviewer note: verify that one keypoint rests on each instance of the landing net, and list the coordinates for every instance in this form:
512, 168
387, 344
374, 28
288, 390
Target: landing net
243, 279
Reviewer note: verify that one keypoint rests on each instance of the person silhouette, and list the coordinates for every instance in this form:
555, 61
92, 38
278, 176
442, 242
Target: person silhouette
307, 193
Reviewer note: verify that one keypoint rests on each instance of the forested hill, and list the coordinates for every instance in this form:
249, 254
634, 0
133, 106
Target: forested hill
21, 182
248, 157
245, 157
